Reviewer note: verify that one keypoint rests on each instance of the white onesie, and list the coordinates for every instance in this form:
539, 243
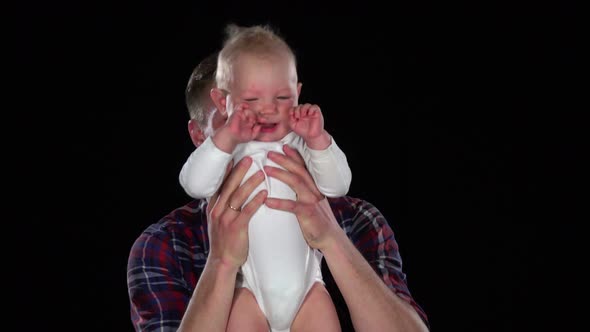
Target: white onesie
281, 267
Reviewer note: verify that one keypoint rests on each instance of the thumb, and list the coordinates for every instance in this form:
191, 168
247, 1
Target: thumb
292, 120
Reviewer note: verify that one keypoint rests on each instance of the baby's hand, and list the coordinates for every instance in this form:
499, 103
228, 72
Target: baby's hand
242, 124
307, 121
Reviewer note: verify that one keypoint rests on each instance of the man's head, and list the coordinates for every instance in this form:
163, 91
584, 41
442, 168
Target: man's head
257, 68
204, 118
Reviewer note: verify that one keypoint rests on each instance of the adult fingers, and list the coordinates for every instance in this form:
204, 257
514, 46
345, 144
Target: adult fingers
234, 212
293, 154
281, 204
213, 199
252, 206
239, 196
296, 182
293, 162
231, 183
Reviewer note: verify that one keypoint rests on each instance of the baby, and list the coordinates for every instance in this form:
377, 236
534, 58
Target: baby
257, 90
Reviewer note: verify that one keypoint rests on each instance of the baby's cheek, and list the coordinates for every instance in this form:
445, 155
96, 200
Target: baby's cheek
253, 105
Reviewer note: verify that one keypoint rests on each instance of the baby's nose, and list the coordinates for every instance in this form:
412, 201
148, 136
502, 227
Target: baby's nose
267, 108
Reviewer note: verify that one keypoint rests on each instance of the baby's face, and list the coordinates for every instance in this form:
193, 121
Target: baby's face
268, 85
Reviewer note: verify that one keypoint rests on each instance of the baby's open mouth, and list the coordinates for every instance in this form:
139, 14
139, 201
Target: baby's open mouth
267, 125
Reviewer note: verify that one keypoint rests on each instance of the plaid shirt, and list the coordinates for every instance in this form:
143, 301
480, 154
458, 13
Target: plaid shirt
167, 259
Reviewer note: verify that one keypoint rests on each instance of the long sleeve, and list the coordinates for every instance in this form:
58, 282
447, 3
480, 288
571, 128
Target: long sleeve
164, 266
374, 238
158, 292
202, 173
329, 169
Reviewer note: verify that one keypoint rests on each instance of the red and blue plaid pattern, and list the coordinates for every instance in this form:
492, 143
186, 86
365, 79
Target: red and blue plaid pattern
167, 259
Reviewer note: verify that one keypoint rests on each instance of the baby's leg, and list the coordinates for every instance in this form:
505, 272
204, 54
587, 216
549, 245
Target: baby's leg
245, 314
317, 312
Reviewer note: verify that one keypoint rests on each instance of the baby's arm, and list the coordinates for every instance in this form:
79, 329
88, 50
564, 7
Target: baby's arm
325, 161
202, 173
329, 168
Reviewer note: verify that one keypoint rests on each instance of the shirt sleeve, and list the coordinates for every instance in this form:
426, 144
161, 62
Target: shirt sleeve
374, 238
329, 169
158, 294
203, 172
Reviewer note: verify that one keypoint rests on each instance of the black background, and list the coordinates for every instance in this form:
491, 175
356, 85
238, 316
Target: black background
461, 123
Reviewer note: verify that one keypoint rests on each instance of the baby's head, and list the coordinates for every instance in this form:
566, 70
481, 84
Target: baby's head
256, 67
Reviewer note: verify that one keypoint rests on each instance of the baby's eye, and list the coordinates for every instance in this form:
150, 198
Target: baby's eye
284, 97
251, 99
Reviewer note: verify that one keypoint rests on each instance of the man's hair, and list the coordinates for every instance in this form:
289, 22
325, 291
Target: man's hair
197, 90
259, 40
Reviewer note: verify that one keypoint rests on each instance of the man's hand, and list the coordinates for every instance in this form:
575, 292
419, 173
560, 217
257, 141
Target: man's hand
317, 222
227, 220
372, 305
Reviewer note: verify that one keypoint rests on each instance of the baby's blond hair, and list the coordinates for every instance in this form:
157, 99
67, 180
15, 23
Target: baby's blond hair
258, 40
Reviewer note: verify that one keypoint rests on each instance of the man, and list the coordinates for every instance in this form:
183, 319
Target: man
182, 270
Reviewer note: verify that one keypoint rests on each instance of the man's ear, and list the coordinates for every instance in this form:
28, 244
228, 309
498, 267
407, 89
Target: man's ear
218, 97
196, 133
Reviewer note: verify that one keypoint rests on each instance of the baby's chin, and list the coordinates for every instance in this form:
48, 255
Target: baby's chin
266, 138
